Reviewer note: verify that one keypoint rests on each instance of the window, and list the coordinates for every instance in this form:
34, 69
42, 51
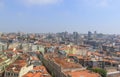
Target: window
8, 74
16, 75
12, 74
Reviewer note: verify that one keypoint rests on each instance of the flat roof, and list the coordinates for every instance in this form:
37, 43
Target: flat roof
65, 63
83, 73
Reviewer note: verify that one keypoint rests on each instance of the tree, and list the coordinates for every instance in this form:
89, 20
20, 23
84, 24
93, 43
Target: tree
102, 72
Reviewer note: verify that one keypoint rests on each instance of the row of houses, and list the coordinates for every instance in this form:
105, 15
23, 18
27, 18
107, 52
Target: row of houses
65, 67
26, 65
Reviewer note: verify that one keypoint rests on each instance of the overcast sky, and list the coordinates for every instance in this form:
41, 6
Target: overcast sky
60, 15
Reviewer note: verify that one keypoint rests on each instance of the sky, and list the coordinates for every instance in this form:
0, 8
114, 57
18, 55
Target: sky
41, 16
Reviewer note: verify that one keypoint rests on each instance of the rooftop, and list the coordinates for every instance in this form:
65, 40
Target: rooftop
38, 71
1, 60
83, 73
66, 63
16, 66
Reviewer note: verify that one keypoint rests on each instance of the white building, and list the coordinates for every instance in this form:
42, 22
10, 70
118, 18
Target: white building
3, 46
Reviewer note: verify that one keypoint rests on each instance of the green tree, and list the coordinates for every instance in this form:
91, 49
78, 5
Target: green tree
102, 72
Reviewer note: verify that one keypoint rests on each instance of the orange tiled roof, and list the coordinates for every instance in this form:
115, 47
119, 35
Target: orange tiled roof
118, 53
111, 61
1, 60
37, 74
34, 58
72, 55
78, 56
97, 54
82, 73
16, 66
65, 64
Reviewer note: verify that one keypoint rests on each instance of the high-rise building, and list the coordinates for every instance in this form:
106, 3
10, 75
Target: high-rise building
95, 35
76, 37
0, 34
89, 35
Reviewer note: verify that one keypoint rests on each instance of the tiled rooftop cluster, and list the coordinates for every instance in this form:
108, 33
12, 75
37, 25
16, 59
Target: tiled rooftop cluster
83, 73
38, 71
67, 66
16, 66
63, 54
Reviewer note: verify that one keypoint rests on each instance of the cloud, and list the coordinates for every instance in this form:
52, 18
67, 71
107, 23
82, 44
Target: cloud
41, 2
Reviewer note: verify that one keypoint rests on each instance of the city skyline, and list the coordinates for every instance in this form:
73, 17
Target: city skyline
41, 16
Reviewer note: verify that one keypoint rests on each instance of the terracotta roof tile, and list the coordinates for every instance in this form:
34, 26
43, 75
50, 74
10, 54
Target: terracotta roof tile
82, 73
